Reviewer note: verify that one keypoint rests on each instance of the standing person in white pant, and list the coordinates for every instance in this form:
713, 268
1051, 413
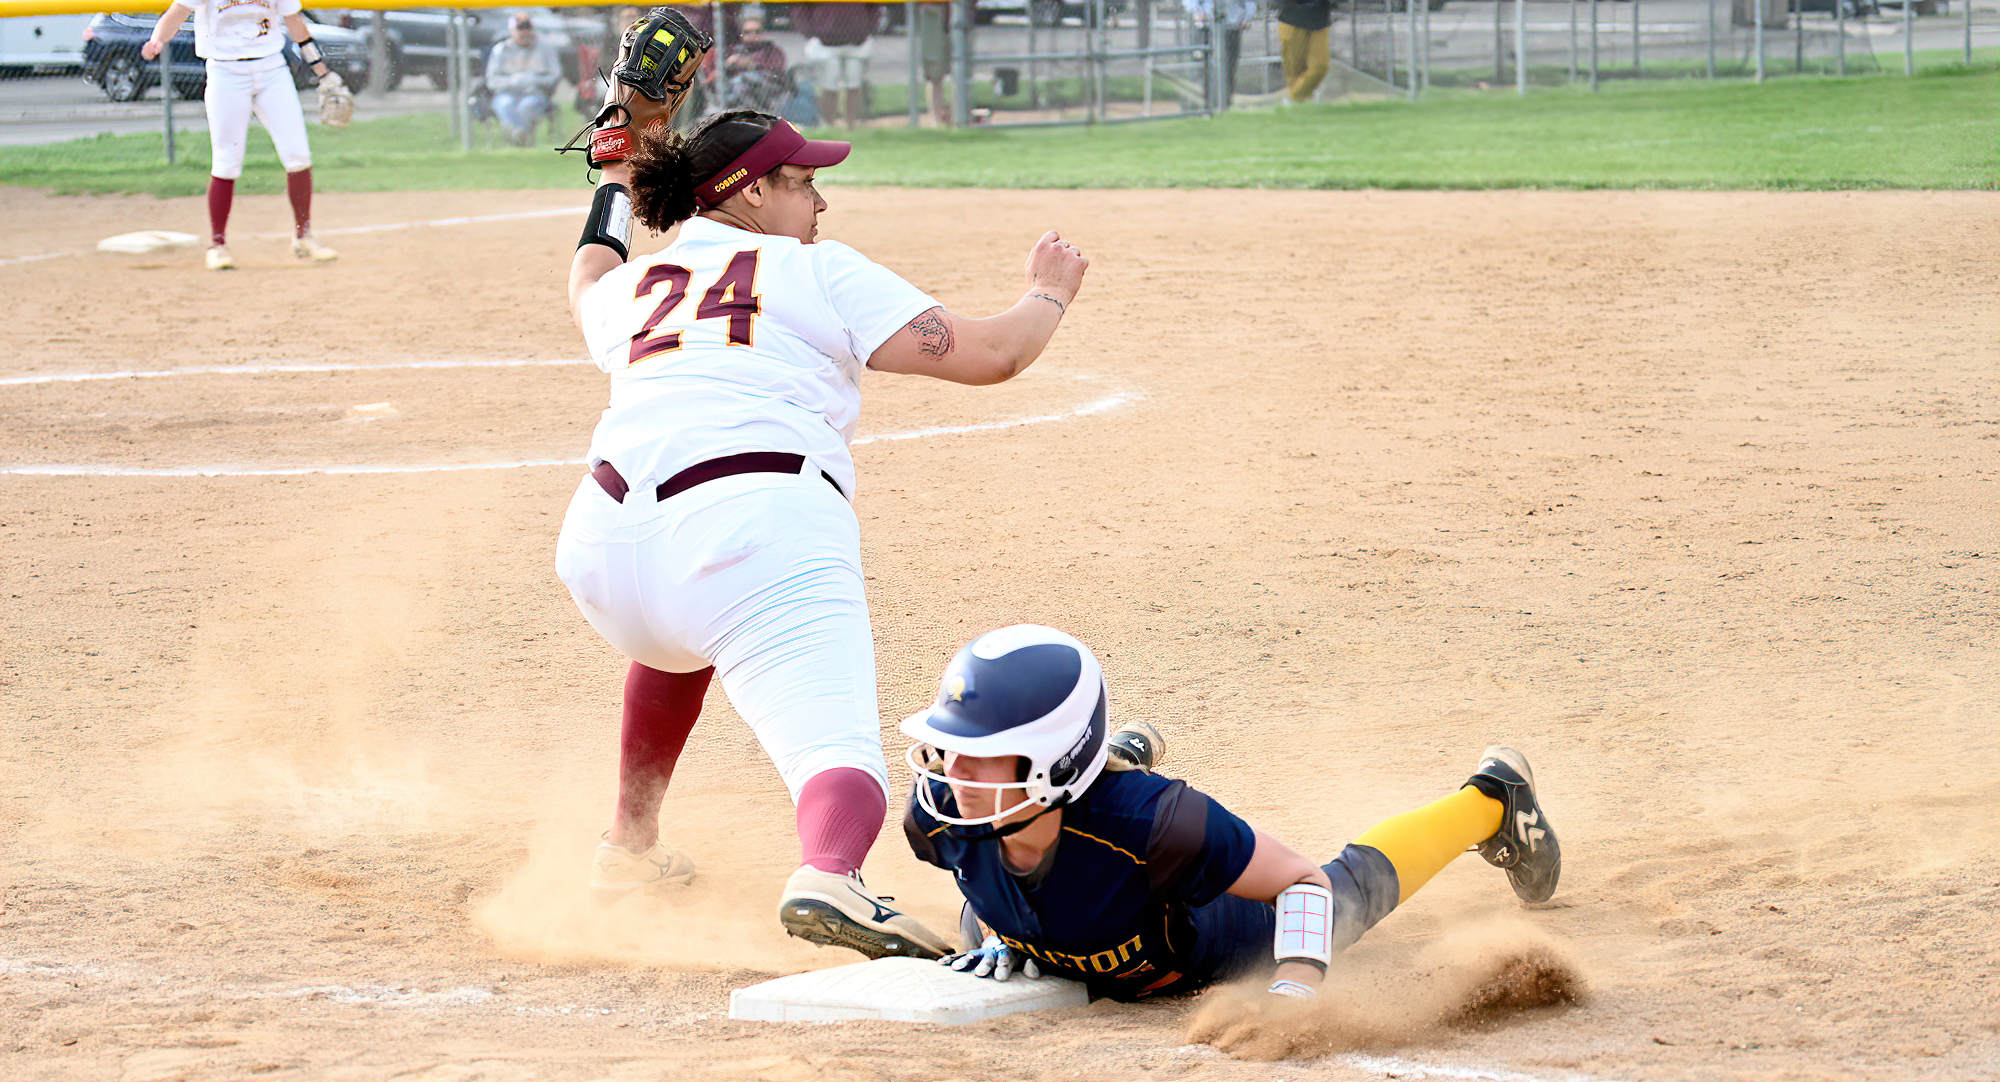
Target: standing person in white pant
714, 534
244, 51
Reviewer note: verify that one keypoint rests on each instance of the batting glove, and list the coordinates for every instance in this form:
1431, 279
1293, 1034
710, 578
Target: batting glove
1293, 989
993, 958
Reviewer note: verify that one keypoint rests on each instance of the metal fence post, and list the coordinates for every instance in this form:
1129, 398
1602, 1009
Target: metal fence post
1757, 32
961, 63
1635, 39
1094, 41
1593, 44
1968, 33
1799, 41
1840, 35
1354, 34
1521, 46
167, 96
718, 18
378, 55
1416, 69
465, 79
1499, 41
451, 71
1711, 37
1572, 40
912, 26
1424, 54
1909, 37
1034, 69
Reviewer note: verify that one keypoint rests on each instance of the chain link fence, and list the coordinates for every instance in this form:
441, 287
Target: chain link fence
972, 62
1407, 48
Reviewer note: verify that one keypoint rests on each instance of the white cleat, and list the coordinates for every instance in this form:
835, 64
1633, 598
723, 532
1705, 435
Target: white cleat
308, 247
616, 872
838, 911
220, 259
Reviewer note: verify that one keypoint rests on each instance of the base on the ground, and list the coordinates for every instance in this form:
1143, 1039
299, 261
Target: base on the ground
897, 990
146, 240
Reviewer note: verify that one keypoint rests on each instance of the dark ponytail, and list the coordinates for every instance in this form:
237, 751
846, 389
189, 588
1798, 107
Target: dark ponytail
666, 167
662, 183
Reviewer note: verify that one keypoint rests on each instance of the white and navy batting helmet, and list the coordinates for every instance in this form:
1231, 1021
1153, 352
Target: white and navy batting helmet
1025, 690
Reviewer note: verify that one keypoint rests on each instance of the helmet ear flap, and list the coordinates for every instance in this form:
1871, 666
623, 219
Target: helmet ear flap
1078, 758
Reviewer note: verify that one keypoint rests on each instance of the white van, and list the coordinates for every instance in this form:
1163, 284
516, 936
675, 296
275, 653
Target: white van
37, 44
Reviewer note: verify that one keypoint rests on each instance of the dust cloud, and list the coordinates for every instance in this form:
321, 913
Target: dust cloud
1472, 977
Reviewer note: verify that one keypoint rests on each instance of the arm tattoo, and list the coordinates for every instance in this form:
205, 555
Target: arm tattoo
933, 331
1060, 306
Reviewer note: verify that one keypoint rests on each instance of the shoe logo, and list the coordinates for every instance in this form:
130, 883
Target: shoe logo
882, 912
1524, 826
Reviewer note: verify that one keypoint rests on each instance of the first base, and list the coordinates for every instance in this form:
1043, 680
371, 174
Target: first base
146, 240
898, 990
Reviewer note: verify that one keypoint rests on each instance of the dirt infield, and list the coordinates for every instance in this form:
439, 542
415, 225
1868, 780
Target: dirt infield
1692, 496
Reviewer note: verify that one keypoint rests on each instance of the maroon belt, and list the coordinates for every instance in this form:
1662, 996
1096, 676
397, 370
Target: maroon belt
615, 487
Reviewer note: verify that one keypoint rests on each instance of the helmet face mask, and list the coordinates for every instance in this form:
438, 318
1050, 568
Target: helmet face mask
1027, 691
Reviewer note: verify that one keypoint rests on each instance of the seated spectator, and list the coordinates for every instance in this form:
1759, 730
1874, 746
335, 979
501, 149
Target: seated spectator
752, 51
756, 67
521, 74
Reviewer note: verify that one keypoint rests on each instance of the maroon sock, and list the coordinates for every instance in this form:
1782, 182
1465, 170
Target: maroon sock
221, 192
840, 813
660, 710
299, 186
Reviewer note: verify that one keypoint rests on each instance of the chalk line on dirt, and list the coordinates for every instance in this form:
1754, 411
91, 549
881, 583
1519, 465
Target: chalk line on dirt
1094, 406
275, 368
385, 227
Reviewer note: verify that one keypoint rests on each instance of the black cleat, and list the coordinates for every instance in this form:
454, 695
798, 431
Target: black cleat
1525, 846
1135, 746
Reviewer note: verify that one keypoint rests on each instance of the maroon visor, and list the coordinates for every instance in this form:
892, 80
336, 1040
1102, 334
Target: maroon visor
782, 145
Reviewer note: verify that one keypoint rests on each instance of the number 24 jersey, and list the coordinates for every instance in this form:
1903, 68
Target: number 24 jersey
728, 341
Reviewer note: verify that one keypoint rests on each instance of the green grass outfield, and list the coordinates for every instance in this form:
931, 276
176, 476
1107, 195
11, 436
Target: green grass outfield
1939, 130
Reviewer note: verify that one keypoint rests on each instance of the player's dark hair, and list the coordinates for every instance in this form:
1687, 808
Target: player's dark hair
666, 166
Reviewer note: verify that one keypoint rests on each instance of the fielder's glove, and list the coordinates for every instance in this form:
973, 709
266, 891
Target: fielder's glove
993, 958
657, 62
336, 102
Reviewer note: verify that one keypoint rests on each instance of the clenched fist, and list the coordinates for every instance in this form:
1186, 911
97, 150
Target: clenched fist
1056, 267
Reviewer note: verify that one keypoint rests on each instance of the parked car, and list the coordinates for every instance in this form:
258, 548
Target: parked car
1855, 8
1040, 12
365, 26
111, 58
419, 40
41, 44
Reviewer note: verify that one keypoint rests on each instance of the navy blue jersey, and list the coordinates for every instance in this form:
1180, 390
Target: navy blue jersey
1138, 871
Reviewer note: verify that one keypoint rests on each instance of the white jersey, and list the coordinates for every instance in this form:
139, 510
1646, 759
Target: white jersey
239, 29
729, 341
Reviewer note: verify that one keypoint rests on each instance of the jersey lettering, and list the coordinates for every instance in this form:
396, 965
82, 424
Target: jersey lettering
1104, 961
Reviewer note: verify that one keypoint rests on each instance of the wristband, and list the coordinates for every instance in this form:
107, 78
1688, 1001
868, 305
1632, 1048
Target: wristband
610, 221
1305, 925
309, 52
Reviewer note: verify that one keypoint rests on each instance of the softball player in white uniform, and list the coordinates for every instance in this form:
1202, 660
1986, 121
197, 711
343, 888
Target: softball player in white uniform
715, 532
243, 44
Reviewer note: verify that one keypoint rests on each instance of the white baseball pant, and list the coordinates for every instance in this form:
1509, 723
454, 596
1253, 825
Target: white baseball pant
758, 574
236, 88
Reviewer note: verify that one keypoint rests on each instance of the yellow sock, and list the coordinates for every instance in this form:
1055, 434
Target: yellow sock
1420, 843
